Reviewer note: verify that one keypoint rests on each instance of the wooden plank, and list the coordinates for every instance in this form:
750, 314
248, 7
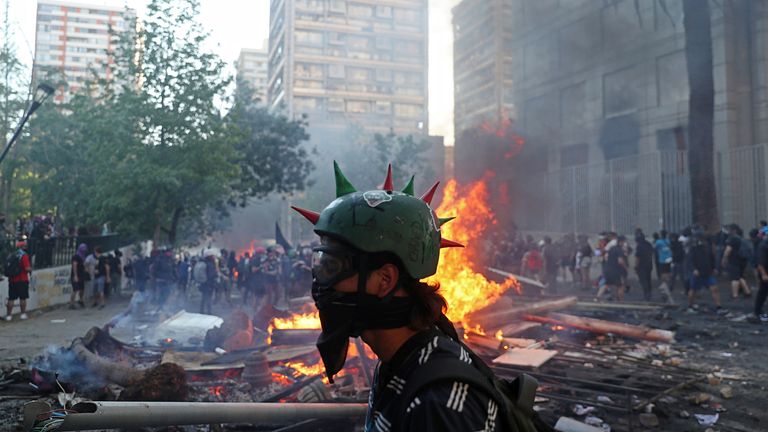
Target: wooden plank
498, 319
599, 326
518, 327
192, 361
282, 353
631, 306
525, 357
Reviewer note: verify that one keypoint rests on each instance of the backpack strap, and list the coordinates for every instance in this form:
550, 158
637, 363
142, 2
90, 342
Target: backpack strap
446, 369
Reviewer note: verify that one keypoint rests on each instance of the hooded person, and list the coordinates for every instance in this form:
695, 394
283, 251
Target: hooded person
77, 276
375, 247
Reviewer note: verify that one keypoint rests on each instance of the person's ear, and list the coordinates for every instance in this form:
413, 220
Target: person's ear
386, 280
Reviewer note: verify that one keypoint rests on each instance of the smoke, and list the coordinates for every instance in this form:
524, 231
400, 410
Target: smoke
441, 69
67, 368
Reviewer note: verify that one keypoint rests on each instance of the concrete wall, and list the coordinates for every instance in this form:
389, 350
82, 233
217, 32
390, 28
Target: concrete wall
47, 287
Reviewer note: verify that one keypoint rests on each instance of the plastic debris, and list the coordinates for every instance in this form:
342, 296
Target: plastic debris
707, 419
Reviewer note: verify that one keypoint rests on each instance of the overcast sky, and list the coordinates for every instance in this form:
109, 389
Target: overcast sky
236, 24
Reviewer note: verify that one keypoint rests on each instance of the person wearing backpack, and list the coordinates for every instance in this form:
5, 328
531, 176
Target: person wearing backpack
18, 269
736, 256
375, 249
101, 278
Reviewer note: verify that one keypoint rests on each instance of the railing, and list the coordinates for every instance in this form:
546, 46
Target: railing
58, 251
650, 191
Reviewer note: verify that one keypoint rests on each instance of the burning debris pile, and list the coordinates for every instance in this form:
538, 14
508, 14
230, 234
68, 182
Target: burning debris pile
590, 375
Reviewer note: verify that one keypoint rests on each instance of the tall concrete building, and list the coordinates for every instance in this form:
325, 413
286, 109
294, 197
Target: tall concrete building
252, 68
344, 62
73, 38
599, 93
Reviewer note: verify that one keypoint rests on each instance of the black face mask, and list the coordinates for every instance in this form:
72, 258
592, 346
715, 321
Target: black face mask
345, 315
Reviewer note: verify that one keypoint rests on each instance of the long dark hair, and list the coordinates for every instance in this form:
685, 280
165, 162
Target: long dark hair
429, 304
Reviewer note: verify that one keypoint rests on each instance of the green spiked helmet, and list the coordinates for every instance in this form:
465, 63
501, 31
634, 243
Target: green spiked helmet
385, 220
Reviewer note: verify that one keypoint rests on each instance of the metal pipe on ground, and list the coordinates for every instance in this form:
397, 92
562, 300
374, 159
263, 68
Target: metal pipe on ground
113, 415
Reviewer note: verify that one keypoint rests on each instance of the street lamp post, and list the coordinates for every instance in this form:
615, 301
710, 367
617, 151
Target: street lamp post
42, 93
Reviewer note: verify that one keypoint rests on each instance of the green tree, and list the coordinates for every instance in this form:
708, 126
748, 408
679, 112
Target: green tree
14, 87
152, 153
368, 158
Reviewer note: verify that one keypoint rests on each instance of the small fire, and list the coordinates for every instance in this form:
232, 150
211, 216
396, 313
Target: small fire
558, 328
305, 369
499, 335
463, 287
307, 321
282, 379
217, 391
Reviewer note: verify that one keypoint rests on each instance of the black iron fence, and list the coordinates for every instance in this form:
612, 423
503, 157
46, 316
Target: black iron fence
58, 251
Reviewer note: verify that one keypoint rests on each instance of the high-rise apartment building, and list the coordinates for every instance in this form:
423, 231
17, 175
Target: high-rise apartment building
74, 38
598, 92
350, 62
252, 68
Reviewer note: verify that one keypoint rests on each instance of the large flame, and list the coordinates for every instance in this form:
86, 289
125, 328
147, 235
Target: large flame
464, 288
461, 284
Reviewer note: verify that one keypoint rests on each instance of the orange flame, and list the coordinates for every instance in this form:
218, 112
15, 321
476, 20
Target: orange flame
308, 321
464, 288
305, 369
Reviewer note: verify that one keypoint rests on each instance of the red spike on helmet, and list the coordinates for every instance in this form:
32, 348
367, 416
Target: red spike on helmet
427, 197
445, 243
309, 214
388, 185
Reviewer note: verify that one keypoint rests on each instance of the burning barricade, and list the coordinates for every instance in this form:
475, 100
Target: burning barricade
274, 376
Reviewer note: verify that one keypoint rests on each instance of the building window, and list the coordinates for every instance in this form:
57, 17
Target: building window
336, 71
360, 11
359, 74
339, 6
309, 37
383, 107
384, 11
336, 104
407, 15
308, 70
384, 43
306, 103
408, 110
359, 42
383, 75
358, 107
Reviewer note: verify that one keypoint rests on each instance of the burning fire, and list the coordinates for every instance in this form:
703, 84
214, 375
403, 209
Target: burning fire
464, 288
305, 369
310, 320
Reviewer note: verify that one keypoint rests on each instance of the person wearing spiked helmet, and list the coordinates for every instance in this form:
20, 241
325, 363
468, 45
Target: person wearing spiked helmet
375, 247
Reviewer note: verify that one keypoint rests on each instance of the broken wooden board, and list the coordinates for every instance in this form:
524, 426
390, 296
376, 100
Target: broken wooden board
518, 327
282, 353
525, 357
508, 343
193, 361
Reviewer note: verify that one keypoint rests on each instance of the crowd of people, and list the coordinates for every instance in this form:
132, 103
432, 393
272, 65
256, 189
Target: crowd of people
691, 259
264, 276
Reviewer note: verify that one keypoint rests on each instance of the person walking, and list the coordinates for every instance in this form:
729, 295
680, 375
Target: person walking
664, 265
735, 260
77, 276
18, 268
644, 264
703, 265
762, 269
101, 278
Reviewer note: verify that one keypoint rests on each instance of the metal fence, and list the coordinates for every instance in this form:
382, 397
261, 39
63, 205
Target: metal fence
649, 191
58, 251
